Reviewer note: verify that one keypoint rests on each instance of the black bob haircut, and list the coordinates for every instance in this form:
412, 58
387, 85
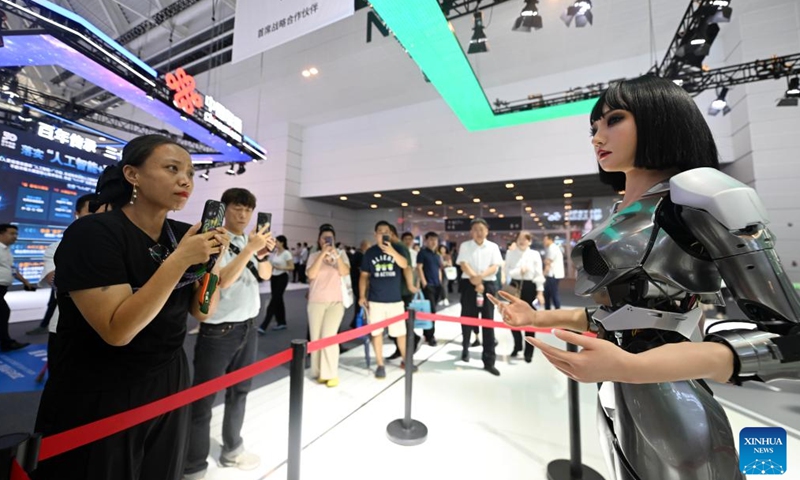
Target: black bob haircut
671, 132
239, 196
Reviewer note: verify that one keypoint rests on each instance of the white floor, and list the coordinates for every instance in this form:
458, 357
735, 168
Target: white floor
480, 426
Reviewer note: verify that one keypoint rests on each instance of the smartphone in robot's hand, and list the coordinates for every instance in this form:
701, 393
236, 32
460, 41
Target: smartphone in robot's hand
263, 219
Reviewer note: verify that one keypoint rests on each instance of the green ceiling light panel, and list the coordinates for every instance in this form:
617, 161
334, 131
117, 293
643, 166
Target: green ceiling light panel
422, 29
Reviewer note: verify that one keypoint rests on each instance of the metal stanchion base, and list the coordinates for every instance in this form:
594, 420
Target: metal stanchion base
560, 470
416, 434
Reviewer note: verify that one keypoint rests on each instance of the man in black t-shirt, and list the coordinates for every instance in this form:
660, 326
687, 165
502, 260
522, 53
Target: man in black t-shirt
379, 289
429, 271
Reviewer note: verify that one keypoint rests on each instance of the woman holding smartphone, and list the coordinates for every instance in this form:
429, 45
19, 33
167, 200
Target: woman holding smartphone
126, 281
282, 264
327, 267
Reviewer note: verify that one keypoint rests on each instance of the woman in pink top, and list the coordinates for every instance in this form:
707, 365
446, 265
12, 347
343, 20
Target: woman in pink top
326, 267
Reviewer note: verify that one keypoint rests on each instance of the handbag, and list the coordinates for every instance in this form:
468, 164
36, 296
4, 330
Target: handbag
512, 289
450, 272
347, 291
421, 304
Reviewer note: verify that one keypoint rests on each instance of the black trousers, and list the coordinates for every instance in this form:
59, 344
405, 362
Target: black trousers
432, 294
528, 295
551, 294
220, 349
51, 309
469, 308
5, 315
153, 450
276, 308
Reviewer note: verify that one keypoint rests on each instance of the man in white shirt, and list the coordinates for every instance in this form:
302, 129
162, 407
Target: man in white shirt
8, 236
227, 341
524, 266
480, 260
553, 272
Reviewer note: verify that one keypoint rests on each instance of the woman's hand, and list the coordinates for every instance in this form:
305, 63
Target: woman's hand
197, 248
516, 313
598, 361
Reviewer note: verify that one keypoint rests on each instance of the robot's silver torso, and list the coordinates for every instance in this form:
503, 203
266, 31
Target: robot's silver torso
649, 265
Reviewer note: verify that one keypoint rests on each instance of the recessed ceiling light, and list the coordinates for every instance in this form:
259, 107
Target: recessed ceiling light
430, 212
459, 189
459, 211
492, 210
528, 209
376, 195
520, 197
451, 207
472, 217
414, 192
313, 70
342, 198
568, 181
373, 206
404, 204
438, 202
305, 73
567, 195
501, 216
533, 214
509, 185
567, 207
476, 200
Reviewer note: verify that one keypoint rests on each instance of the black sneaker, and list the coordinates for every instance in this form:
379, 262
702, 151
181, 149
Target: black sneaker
465, 356
395, 355
431, 342
491, 369
380, 372
13, 345
476, 343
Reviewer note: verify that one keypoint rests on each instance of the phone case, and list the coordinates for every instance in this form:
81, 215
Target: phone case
263, 219
213, 215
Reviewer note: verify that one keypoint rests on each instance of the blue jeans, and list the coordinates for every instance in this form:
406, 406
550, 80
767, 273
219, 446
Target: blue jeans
551, 295
220, 349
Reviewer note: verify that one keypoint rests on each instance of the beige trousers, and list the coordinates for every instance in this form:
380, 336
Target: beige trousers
324, 319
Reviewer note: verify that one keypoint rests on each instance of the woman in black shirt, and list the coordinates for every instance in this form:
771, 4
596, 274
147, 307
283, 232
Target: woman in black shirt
126, 281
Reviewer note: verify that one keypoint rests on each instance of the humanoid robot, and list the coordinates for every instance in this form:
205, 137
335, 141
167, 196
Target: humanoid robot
649, 266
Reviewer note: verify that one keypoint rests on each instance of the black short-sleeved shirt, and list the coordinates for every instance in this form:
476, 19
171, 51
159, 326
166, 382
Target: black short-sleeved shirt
103, 250
431, 265
385, 276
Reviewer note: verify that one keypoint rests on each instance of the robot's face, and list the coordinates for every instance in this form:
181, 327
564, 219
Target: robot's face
614, 140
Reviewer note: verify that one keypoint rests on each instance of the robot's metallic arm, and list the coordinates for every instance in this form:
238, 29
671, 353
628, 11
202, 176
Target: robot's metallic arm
726, 220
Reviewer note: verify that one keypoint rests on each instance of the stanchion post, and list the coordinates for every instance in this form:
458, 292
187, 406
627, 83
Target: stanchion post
296, 381
572, 469
407, 431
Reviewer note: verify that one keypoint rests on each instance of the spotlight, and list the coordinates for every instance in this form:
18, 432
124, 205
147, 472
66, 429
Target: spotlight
231, 170
580, 11
720, 104
241, 169
528, 18
792, 95
25, 114
478, 42
697, 44
718, 12
204, 175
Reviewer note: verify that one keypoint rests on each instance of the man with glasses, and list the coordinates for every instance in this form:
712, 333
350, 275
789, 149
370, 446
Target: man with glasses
227, 341
480, 260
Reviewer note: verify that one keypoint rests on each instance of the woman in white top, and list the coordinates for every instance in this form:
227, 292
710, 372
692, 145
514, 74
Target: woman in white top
524, 266
282, 263
327, 266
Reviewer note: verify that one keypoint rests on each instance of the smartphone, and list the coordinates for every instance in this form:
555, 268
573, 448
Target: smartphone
213, 215
263, 219
328, 241
387, 239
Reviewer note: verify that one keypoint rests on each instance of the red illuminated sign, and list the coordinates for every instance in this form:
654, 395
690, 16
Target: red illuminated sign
186, 97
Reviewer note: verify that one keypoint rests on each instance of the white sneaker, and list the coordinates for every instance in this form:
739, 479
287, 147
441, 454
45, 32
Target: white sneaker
446, 302
245, 461
194, 331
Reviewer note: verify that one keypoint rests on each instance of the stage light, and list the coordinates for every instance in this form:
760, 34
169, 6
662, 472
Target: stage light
580, 11
528, 18
719, 11
241, 169
478, 42
25, 114
792, 94
720, 104
231, 170
205, 174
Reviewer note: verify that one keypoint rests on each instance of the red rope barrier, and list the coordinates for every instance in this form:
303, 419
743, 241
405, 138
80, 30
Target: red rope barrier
91, 432
17, 473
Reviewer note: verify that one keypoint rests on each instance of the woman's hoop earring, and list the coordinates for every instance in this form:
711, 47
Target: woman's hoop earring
134, 195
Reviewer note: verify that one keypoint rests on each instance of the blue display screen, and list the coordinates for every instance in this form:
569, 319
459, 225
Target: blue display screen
43, 171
